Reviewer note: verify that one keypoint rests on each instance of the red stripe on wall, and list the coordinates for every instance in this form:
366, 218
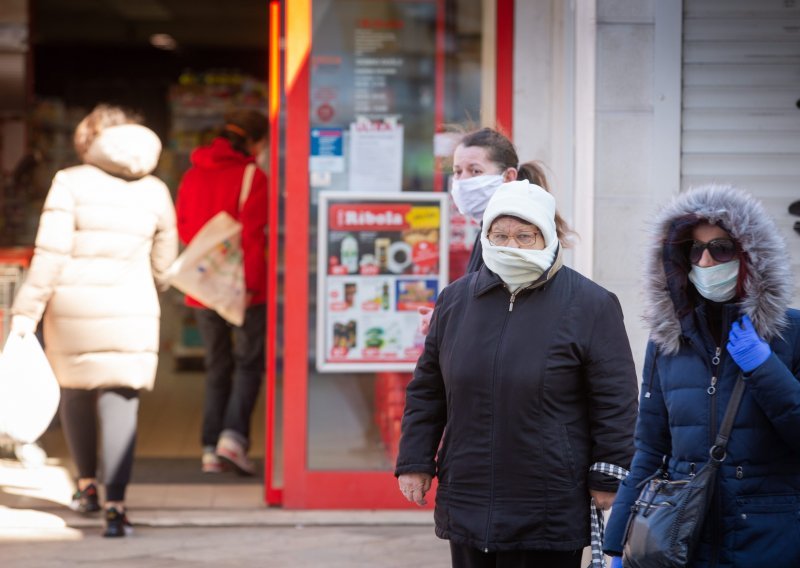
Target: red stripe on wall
505, 67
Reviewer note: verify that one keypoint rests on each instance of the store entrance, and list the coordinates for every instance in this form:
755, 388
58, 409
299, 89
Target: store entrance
180, 67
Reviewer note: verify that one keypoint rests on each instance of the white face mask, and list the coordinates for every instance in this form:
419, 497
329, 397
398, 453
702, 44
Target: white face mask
716, 283
516, 265
471, 195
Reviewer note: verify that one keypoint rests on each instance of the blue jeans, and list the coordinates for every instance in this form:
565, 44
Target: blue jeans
234, 358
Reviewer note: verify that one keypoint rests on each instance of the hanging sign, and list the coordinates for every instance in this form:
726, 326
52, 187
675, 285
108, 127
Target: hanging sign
379, 259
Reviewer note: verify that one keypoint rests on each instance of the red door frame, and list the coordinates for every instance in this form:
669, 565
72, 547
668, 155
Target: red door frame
272, 495
304, 488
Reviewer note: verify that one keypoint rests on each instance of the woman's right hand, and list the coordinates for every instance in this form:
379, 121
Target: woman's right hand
425, 319
414, 486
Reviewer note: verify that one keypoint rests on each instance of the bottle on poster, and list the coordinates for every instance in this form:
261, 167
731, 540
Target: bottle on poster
349, 254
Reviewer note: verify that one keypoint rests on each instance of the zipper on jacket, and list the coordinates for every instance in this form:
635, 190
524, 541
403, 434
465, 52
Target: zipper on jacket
716, 537
514, 296
491, 428
712, 389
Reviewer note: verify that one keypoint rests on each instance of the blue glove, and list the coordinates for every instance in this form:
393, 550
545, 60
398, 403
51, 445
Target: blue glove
616, 562
746, 346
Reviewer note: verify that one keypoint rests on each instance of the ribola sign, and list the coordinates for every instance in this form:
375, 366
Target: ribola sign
356, 217
380, 258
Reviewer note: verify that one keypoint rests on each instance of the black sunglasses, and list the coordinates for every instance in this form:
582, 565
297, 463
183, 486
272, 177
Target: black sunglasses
721, 250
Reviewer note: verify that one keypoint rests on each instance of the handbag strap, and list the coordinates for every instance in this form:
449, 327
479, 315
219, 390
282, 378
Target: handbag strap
247, 183
717, 451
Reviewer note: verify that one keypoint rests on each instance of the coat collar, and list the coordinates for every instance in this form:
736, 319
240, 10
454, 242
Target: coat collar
486, 279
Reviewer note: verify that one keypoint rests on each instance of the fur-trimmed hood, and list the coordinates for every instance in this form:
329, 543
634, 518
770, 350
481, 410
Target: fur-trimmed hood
767, 286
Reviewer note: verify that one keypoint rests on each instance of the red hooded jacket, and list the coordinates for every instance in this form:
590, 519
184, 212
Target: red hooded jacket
212, 185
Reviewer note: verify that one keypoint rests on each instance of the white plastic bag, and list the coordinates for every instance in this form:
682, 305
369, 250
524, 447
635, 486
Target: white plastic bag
211, 268
29, 392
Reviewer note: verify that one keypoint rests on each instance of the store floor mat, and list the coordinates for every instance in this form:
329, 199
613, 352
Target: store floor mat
187, 470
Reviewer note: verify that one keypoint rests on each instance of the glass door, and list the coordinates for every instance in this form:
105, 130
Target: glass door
370, 88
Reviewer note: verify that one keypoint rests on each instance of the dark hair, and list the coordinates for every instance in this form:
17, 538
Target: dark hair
501, 151
243, 126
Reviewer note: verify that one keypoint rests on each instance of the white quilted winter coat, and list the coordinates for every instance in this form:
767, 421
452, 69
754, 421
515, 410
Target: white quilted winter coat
106, 236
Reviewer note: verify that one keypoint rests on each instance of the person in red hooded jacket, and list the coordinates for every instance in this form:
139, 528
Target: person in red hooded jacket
234, 356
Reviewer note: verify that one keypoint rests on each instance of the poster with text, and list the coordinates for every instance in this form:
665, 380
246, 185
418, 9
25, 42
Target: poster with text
380, 259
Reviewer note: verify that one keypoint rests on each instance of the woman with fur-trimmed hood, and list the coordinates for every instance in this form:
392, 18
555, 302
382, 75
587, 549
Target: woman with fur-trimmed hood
718, 290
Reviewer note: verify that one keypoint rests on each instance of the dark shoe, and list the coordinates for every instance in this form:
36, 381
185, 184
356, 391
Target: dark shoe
86, 501
117, 523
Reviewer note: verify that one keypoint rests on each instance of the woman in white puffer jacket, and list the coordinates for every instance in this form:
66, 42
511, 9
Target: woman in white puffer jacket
106, 238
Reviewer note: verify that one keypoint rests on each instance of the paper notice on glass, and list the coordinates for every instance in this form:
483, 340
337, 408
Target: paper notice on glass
376, 156
327, 151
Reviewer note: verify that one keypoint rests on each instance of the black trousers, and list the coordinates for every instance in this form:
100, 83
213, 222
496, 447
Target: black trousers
234, 358
467, 557
117, 410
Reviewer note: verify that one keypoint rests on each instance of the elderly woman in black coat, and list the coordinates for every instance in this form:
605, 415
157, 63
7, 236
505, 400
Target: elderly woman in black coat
526, 382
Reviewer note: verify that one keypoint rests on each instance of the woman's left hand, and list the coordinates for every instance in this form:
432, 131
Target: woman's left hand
746, 347
602, 499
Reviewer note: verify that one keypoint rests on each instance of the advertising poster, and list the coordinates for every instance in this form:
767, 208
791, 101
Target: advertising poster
380, 259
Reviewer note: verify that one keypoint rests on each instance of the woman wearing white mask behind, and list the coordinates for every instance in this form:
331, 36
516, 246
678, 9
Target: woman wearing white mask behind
482, 161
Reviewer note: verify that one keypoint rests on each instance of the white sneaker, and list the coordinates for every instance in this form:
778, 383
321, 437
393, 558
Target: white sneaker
233, 453
211, 462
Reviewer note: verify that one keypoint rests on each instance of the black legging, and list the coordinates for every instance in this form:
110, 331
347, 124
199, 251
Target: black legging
117, 410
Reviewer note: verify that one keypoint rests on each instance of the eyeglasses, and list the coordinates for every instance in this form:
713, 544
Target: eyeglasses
522, 239
721, 250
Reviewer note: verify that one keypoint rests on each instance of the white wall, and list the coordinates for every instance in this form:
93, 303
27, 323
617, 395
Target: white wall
628, 120
631, 127
542, 96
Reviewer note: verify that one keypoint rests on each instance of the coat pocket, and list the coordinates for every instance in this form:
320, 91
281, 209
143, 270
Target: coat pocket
767, 531
567, 474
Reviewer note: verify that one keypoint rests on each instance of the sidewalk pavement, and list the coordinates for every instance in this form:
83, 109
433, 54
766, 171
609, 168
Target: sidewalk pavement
197, 525
196, 528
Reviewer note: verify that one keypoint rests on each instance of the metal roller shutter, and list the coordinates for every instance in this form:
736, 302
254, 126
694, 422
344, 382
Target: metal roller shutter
741, 102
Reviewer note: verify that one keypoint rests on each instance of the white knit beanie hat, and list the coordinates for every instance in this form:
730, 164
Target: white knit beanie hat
528, 202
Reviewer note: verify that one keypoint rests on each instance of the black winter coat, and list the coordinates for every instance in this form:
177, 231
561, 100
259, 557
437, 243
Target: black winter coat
523, 401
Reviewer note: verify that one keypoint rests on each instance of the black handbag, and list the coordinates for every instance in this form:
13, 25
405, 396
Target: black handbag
668, 517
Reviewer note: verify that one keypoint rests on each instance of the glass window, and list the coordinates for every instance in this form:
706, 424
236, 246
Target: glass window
385, 77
